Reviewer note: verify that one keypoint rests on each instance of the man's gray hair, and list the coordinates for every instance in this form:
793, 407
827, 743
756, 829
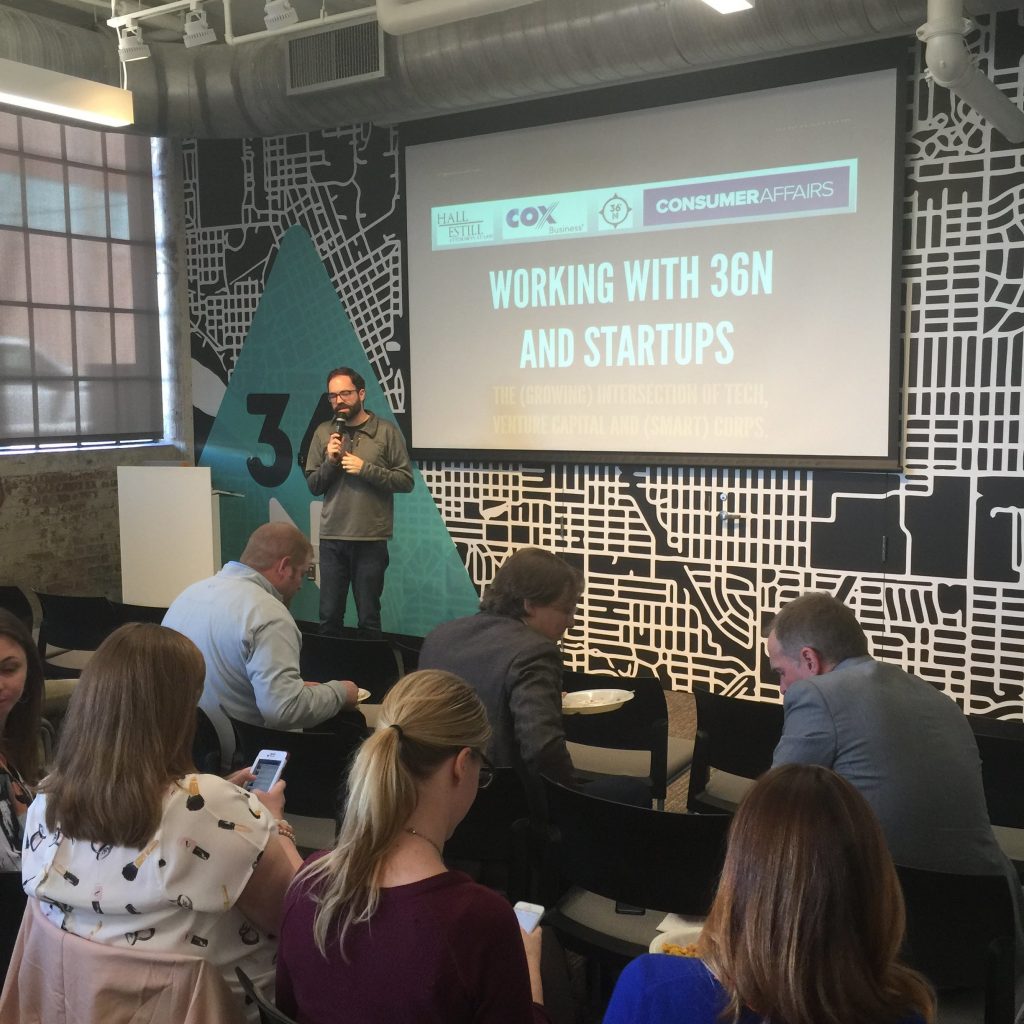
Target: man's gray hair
822, 622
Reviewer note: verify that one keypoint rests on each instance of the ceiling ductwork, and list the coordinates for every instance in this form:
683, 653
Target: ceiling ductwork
545, 48
952, 65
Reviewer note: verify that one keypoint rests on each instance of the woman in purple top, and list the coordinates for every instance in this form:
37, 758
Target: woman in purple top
806, 926
378, 930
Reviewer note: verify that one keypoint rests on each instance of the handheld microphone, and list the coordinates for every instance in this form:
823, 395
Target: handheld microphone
338, 428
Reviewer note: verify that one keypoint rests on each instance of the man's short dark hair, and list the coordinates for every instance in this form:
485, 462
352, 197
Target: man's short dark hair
822, 622
535, 575
347, 371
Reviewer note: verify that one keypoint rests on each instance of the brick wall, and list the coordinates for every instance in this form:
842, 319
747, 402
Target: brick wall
59, 522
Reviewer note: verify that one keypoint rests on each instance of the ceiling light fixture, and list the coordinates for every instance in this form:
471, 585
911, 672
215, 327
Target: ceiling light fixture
81, 99
279, 14
730, 6
197, 31
130, 44
398, 17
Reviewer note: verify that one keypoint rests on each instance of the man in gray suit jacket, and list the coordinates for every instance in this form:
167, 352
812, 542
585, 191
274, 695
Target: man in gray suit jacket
508, 652
904, 744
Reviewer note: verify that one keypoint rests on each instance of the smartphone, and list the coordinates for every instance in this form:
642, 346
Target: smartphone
267, 768
529, 914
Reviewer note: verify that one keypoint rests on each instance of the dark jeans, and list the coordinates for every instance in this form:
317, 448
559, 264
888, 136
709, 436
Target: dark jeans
362, 564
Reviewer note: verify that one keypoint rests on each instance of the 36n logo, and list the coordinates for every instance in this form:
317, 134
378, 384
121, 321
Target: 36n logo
530, 216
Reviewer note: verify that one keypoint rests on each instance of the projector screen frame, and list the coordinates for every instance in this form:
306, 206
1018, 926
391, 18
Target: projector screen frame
818, 66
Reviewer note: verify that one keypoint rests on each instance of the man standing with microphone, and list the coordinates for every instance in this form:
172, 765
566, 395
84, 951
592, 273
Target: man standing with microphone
357, 461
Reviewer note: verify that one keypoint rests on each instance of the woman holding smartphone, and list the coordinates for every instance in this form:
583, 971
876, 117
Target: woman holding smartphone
126, 845
806, 925
378, 929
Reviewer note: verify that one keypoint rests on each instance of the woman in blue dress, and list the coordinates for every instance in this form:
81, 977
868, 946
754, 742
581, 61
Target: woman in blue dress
806, 926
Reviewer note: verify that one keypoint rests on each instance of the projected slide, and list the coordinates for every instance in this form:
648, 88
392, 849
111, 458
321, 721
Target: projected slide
707, 279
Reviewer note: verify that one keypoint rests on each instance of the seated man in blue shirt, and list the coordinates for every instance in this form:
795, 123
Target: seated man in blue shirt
239, 620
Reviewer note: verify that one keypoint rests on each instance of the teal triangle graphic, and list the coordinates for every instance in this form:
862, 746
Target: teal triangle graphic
300, 331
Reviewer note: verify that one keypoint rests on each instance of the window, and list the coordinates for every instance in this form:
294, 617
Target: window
79, 319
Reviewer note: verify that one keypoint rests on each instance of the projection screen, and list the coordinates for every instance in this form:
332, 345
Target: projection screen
708, 281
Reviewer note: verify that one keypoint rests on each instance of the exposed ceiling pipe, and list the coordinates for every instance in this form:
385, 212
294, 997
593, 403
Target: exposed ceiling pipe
345, 17
396, 17
163, 16
84, 53
146, 13
952, 65
541, 49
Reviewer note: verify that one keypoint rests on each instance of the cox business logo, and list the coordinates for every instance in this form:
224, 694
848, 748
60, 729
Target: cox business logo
530, 216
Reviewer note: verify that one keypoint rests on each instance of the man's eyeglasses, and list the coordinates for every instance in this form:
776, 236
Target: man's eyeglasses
346, 396
486, 773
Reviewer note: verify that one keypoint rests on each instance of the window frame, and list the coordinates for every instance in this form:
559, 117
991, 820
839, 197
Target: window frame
111, 400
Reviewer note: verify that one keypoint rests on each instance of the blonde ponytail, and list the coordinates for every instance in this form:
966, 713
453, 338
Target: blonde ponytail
426, 717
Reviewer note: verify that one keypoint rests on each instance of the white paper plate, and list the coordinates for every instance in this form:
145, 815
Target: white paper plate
684, 936
363, 695
592, 702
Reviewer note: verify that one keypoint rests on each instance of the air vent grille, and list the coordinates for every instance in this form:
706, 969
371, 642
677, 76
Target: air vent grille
341, 56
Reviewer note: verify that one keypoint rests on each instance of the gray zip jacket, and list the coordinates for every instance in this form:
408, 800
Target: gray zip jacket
360, 506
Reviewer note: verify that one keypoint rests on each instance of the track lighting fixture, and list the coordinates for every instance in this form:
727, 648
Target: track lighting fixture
197, 31
130, 44
278, 14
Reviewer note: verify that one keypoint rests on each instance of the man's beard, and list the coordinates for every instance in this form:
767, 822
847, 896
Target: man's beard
354, 409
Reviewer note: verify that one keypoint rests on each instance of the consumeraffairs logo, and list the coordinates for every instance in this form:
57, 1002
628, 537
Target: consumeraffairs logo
803, 191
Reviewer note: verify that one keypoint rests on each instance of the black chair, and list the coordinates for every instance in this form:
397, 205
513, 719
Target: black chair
71, 629
269, 1013
960, 936
316, 773
47, 739
370, 664
137, 613
22, 603
1001, 746
206, 752
617, 859
407, 649
735, 741
493, 840
632, 740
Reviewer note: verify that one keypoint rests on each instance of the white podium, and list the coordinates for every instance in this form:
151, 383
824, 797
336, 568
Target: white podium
170, 531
